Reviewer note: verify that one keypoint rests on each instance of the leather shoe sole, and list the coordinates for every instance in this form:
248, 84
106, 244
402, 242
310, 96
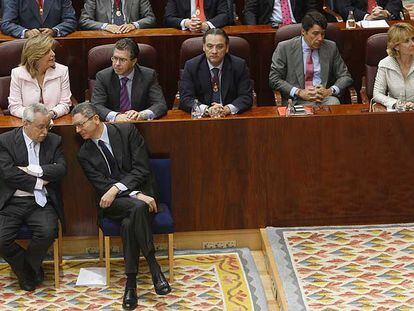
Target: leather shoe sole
130, 300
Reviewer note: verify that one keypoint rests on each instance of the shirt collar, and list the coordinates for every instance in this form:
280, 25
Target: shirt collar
305, 46
210, 66
130, 76
27, 139
104, 137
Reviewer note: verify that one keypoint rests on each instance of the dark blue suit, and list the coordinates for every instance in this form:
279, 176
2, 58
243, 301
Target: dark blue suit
359, 7
19, 15
235, 89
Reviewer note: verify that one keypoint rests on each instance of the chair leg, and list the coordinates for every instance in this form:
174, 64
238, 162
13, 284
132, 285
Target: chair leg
101, 246
56, 261
108, 260
60, 241
171, 255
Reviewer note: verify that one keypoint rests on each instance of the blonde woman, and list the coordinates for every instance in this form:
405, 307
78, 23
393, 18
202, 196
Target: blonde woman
39, 79
395, 74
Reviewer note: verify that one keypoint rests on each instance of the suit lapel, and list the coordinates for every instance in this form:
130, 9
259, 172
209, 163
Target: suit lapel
323, 57
21, 154
47, 4
297, 56
96, 155
117, 89
136, 90
34, 6
128, 10
205, 76
44, 147
116, 144
226, 78
108, 9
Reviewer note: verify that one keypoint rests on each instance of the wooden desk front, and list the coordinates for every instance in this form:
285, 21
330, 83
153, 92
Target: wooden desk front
258, 169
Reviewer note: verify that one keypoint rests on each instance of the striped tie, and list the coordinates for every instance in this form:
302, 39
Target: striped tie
124, 102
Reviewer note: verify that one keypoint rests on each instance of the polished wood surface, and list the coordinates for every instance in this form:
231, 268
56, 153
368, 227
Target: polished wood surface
260, 169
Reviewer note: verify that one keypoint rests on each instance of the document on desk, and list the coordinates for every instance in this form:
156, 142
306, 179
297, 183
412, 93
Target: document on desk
373, 24
91, 276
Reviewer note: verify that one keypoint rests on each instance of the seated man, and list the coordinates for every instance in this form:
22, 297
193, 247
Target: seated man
100, 14
196, 15
31, 168
218, 80
28, 18
309, 68
127, 91
275, 13
115, 160
370, 9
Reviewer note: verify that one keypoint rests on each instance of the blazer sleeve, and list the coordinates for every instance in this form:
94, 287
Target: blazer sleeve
244, 100
187, 89
87, 19
221, 17
100, 95
63, 106
171, 17
394, 7
381, 89
16, 107
341, 73
9, 25
344, 6
68, 19
156, 98
278, 70
250, 12
55, 171
147, 17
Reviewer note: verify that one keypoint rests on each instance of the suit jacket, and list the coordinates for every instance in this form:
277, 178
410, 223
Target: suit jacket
359, 7
13, 153
132, 158
146, 93
260, 11
95, 13
215, 10
19, 15
235, 88
25, 90
287, 71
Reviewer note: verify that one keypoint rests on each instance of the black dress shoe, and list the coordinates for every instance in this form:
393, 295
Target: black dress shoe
160, 283
25, 281
130, 300
39, 276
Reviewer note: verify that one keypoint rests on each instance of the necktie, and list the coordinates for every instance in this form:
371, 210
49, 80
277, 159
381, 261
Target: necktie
200, 10
215, 81
124, 102
40, 195
371, 4
286, 17
40, 2
117, 15
309, 70
113, 166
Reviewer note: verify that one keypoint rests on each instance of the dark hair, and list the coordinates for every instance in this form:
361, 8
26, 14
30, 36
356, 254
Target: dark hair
314, 18
127, 44
86, 109
216, 31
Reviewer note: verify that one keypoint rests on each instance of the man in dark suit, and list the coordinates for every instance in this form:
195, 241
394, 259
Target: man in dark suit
24, 19
308, 68
273, 12
115, 160
218, 80
31, 168
370, 9
127, 91
196, 15
112, 17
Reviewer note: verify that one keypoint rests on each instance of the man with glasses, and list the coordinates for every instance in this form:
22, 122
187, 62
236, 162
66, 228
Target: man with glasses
126, 91
220, 82
31, 168
115, 160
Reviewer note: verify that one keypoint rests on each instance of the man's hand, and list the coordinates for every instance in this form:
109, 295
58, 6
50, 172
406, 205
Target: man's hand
132, 114
204, 27
122, 117
23, 168
378, 13
226, 111
126, 28
31, 33
149, 200
322, 92
113, 28
48, 31
108, 197
309, 94
194, 24
216, 110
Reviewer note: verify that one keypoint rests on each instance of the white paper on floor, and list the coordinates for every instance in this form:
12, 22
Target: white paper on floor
91, 276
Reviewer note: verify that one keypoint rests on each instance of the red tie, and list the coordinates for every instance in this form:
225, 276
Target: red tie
371, 5
200, 10
286, 17
40, 7
309, 70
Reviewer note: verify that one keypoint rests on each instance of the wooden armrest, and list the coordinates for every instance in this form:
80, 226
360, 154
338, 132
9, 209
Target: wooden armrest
278, 98
329, 11
363, 91
406, 14
353, 95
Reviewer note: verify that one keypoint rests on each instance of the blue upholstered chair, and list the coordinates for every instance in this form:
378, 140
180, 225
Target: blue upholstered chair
162, 222
26, 234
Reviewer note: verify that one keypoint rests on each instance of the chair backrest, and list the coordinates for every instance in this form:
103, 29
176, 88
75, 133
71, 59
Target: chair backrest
10, 52
376, 49
194, 46
162, 172
99, 57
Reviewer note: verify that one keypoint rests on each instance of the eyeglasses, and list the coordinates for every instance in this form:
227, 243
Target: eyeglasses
82, 124
118, 59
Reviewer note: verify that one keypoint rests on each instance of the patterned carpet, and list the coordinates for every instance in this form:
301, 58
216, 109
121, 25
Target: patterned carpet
346, 268
204, 280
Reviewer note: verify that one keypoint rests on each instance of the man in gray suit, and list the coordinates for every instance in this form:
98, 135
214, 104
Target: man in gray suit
308, 68
116, 16
127, 91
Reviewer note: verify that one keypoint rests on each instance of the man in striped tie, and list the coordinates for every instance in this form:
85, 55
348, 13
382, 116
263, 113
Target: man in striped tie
370, 9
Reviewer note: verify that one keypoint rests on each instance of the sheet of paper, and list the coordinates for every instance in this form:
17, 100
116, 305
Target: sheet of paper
91, 276
373, 24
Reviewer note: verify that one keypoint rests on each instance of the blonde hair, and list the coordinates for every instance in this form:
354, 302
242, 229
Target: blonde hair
34, 49
397, 34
